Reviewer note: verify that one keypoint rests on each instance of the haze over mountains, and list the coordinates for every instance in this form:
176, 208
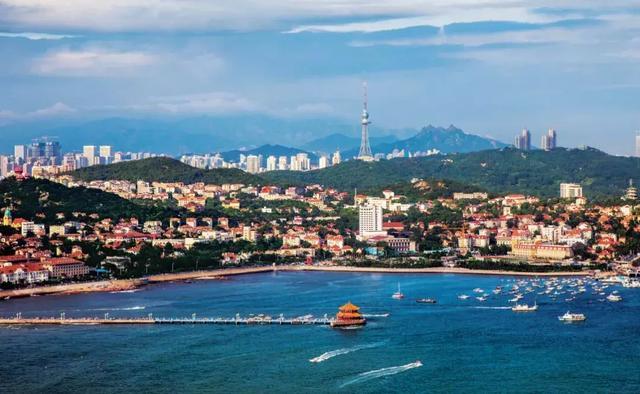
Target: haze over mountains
232, 135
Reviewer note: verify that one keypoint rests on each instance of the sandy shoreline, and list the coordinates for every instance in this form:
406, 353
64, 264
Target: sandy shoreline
130, 284
436, 270
74, 288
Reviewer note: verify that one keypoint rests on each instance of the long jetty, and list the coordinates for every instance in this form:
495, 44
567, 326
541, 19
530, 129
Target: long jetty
106, 320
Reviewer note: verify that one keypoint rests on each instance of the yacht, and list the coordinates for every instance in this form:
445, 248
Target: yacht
463, 297
572, 317
614, 298
525, 308
398, 294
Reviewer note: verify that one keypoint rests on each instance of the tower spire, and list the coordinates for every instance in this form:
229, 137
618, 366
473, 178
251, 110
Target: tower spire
365, 149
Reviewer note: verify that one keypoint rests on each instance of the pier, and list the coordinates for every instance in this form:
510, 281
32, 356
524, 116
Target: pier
106, 320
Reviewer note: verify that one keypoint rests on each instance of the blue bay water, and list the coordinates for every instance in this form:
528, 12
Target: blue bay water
464, 346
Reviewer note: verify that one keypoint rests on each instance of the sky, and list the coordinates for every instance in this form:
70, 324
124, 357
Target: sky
491, 67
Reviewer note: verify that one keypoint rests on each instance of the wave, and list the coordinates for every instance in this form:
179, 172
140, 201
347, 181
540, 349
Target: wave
125, 291
338, 352
378, 373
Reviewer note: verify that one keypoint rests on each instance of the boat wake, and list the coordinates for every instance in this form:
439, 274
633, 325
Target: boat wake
377, 315
326, 356
378, 373
491, 307
131, 308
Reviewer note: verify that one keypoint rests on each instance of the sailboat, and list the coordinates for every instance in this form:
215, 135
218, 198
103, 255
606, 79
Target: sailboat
398, 294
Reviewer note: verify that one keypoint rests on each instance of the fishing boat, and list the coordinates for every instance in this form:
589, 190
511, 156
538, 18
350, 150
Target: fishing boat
524, 308
426, 301
572, 317
398, 294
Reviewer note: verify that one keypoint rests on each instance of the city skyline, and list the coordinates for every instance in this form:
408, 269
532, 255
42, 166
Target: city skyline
491, 68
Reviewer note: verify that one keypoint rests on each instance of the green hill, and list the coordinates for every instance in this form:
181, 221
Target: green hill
163, 169
502, 171
38, 196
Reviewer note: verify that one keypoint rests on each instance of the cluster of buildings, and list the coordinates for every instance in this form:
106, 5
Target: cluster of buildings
44, 156
256, 163
303, 223
547, 142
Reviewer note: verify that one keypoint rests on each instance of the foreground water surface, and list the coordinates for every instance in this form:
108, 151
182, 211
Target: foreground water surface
461, 345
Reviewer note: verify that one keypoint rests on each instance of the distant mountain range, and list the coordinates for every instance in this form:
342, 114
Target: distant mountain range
445, 140
233, 134
174, 136
330, 143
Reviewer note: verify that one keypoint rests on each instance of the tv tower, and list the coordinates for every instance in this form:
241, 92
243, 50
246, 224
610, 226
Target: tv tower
365, 150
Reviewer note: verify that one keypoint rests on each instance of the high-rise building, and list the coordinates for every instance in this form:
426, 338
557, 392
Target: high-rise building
90, 153
253, 164
294, 165
282, 163
323, 162
549, 140
20, 153
365, 149
570, 190
336, 158
105, 151
52, 152
523, 140
4, 166
304, 164
271, 163
370, 220
638, 144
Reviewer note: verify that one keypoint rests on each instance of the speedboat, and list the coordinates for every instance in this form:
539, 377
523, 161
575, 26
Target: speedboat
398, 294
614, 298
481, 299
525, 308
426, 301
572, 317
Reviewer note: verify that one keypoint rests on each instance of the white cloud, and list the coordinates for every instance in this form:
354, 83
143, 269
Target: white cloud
90, 62
36, 36
57, 109
198, 15
537, 36
204, 103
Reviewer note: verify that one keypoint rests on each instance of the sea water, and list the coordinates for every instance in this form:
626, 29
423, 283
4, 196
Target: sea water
452, 346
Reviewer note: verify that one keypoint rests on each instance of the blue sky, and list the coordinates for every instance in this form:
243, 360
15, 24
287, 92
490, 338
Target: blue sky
490, 67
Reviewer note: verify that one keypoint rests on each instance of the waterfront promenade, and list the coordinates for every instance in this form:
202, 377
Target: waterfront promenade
132, 284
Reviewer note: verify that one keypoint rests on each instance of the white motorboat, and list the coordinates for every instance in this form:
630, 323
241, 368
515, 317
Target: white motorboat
572, 317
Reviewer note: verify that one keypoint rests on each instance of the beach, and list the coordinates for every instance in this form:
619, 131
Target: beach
73, 288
